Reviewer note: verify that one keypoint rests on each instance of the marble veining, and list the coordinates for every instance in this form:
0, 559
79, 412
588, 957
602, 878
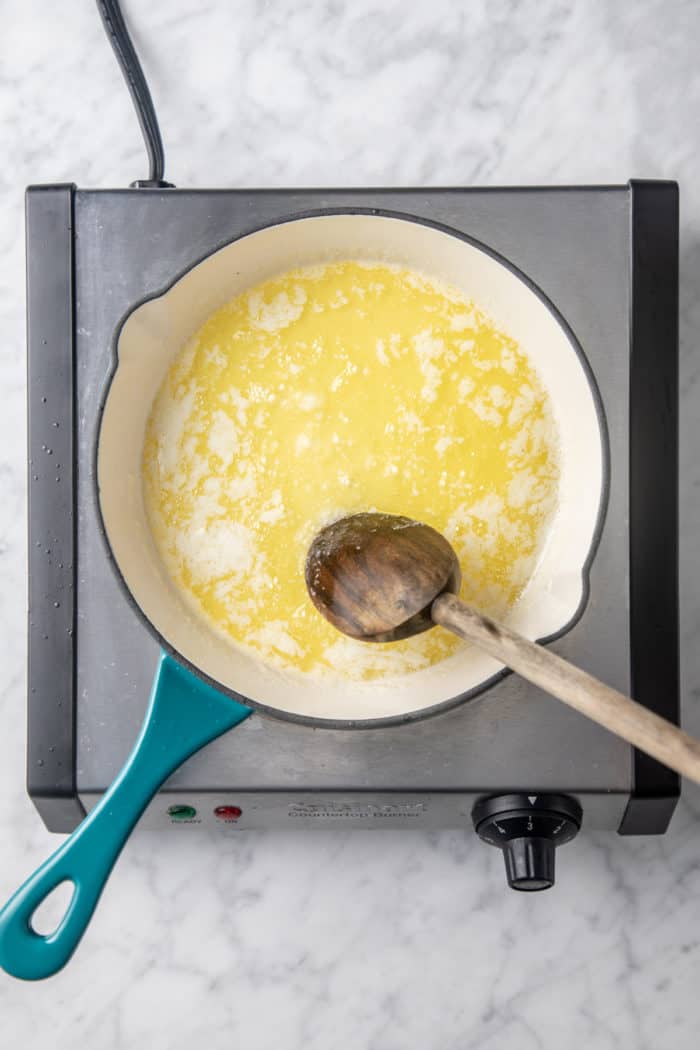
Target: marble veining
337, 939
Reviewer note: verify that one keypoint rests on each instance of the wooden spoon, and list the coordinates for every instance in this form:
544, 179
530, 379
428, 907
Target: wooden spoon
379, 578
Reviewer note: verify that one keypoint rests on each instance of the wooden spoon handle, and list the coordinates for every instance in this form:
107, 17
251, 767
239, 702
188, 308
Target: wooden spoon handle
609, 708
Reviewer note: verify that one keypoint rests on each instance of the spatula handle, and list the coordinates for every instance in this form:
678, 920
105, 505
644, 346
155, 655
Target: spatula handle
609, 708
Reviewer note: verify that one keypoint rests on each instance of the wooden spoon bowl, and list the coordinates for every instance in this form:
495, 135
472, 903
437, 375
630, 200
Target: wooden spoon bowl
375, 576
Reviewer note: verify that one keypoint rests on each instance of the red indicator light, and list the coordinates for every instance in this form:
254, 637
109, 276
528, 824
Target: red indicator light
228, 812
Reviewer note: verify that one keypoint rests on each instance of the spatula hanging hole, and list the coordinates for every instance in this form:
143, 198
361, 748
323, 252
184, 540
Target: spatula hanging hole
47, 917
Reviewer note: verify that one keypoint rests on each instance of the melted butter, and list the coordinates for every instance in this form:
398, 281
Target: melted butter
328, 391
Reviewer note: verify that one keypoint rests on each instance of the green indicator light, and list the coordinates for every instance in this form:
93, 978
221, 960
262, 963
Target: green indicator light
182, 812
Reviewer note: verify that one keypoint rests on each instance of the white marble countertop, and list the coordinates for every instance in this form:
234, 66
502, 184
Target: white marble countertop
339, 939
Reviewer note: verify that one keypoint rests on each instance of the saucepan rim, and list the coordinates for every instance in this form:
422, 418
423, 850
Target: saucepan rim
482, 689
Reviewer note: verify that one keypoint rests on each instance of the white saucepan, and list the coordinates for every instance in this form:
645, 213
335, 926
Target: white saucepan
154, 334
205, 685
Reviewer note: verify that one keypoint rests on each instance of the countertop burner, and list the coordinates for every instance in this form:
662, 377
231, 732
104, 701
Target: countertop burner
608, 258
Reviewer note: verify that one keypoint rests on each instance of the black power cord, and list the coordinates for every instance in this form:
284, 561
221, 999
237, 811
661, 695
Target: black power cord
118, 34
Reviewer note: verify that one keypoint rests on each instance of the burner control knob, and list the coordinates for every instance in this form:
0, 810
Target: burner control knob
528, 828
